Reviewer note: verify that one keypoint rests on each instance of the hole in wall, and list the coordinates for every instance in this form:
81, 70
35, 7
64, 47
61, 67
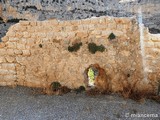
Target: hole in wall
40, 45
128, 75
96, 79
90, 75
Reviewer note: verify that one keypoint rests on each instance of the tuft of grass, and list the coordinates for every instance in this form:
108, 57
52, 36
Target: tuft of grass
75, 47
93, 48
111, 36
55, 86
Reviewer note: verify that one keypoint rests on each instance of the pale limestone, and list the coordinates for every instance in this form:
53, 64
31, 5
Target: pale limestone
5, 39
10, 59
26, 52
36, 52
2, 59
2, 45
21, 46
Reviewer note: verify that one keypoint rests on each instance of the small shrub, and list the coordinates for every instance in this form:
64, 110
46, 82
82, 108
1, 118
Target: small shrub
93, 48
55, 86
80, 89
75, 47
111, 36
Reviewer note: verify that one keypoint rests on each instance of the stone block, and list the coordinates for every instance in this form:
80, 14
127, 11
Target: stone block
13, 39
94, 21
23, 41
10, 59
9, 66
26, 52
82, 34
24, 23
5, 38
30, 41
33, 23
2, 51
26, 34
71, 35
21, 76
20, 46
74, 28
75, 22
7, 72
11, 45
90, 27
53, 22
2, 59
33, 35
68, 29
10, 78
119, 33
57, 28
102, 20
111, 26
2, 45
41, 35
157, 45
11, 33
10, 52
18, 52
96, 32
4, 72
22, 28
30, 29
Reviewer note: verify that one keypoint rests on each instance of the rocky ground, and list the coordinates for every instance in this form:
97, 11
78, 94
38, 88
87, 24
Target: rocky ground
23, 103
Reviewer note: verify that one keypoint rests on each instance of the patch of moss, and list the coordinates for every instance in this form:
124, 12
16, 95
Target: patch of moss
75, 47
93, 48
111, 36
55, 86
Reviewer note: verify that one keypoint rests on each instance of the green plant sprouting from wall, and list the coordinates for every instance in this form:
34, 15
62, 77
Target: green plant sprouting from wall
75, 47
111, 36
93, 48
55, 86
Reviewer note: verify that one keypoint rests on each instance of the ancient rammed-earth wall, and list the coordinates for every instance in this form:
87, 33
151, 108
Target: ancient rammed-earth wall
35, 53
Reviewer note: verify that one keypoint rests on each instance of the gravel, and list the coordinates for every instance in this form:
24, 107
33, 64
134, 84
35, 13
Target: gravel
21, 104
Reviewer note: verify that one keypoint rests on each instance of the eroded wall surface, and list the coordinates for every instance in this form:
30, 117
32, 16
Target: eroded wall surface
35, 53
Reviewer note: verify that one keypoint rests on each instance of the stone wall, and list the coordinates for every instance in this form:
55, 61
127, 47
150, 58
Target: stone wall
35, 53
13, 10
152, 48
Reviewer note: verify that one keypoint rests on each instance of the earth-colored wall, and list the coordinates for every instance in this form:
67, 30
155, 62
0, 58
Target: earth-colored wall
35, 53
11, 11
152, 48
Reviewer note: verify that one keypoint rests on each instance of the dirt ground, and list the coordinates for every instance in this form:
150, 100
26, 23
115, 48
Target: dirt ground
23, 103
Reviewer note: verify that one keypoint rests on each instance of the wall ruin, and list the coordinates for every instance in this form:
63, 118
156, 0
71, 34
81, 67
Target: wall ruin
35, 53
